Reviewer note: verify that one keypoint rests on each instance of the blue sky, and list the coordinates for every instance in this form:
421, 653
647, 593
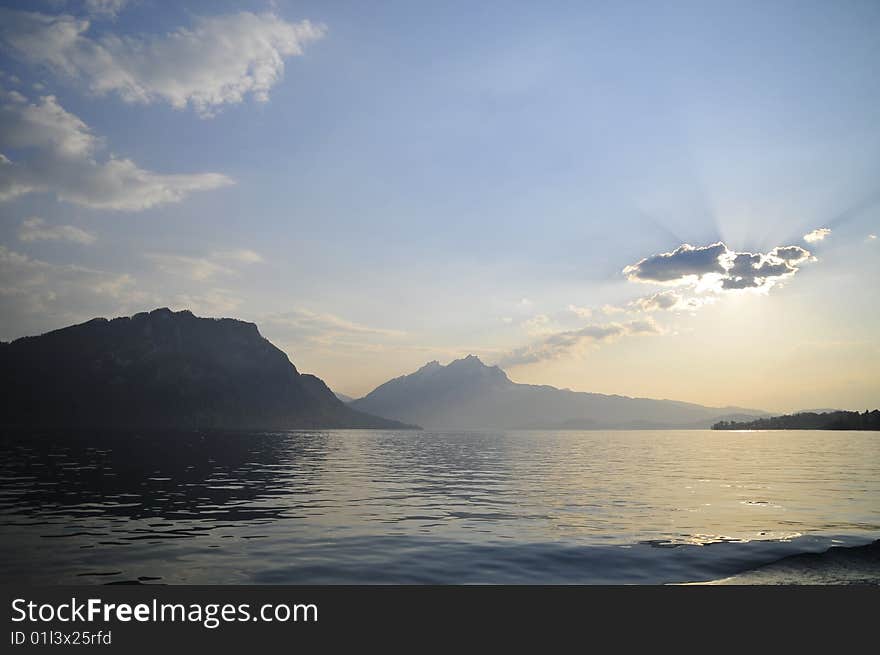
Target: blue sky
397, 182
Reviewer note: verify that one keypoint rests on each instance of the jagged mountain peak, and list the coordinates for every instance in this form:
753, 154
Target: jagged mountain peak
468, 394
464, 366
471, 361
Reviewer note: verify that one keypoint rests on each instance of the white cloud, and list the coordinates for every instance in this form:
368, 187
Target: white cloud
219, 60
872, 237
573, 341
45, 126
60, 156
817, 235
35, 229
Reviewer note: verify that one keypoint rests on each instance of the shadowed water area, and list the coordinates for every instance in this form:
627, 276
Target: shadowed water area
428, 507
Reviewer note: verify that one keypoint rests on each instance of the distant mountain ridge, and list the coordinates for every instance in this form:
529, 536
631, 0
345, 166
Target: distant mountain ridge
833, 420
164, 369
467, 394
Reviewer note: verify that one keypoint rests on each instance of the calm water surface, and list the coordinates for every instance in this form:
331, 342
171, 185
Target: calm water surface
418, 507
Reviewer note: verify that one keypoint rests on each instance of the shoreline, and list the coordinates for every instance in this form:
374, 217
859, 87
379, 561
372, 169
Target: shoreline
839, 565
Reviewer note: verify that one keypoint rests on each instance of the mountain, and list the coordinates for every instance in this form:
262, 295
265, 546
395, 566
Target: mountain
467, 394
833, 420
343, 397
164, 369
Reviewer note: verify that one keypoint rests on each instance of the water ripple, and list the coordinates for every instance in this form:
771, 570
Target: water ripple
360, 506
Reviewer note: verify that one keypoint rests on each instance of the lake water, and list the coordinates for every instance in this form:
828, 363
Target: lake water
428, 507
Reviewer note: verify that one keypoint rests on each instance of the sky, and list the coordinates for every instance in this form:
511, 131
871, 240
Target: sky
676, 200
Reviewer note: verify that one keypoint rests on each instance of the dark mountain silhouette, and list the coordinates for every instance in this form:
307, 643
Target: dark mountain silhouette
467, 394
343, 397
835, 420
164, 369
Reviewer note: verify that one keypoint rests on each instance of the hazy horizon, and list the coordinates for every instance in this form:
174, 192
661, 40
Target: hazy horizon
675, 202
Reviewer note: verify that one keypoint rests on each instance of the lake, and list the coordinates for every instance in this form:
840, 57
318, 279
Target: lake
360, 506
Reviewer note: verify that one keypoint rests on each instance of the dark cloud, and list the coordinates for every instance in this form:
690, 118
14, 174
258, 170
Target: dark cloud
686, 261
714, 268
749, 270
792, 254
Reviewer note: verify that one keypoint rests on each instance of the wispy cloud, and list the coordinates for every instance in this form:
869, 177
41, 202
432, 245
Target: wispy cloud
570, 342
581, 312
211, 302
538, 324
670, 300
219, 60
184, 266
223, 262
35, 293
322, 326
105, 8
36, 229
60, 156
243, 256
